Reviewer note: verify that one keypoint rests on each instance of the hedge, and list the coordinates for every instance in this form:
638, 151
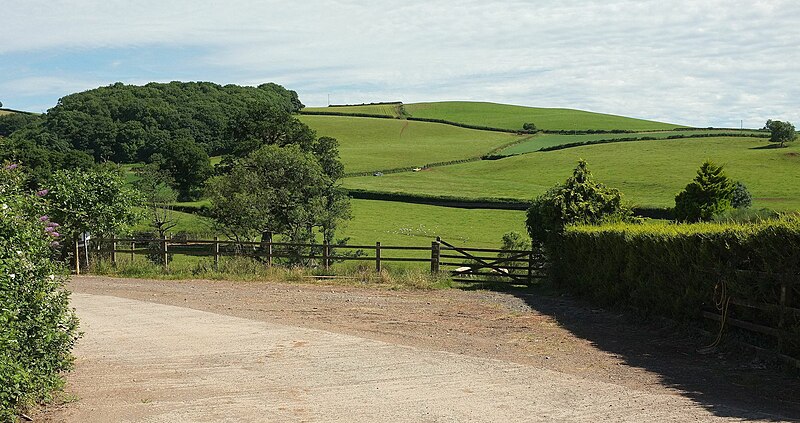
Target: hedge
671, 269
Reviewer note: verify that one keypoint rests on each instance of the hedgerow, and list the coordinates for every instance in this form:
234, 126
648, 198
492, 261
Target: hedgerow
37, 327
672, 269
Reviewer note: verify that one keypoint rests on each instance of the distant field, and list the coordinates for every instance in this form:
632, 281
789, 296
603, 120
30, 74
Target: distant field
649, 173
550, 140
367, 144
513, 117
196, 226
5, 112
378, 109
394, 223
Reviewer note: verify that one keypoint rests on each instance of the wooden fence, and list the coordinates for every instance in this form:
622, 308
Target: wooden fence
771, 325
463, 263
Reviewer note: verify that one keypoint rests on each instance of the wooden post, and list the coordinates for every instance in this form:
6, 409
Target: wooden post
435, 251
269, 249
326, 254
114, 251
530, 268
378, 257
164, 252
77, 257
133, 251
216, 253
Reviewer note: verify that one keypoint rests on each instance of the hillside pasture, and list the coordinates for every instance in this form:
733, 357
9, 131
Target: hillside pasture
392, 110
5, 112
513, 117
551, 140
649, 173
367, 144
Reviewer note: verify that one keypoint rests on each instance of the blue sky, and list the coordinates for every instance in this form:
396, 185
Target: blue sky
703, 63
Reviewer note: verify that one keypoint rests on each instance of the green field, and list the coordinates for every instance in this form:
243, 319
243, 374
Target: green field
649, 173
5, 112
394, 223
196, 226
550, 140
372, 109
513, 117
370, 144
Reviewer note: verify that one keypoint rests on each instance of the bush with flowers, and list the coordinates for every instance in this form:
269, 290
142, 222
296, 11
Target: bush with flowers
37, 327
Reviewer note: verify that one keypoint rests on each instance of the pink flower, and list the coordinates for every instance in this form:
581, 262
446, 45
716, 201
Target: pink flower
44, 218
42, 193
53, 224
12, 166
55, 234
49, 229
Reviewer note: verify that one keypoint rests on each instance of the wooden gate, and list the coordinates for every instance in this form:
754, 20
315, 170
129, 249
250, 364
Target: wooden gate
491, 265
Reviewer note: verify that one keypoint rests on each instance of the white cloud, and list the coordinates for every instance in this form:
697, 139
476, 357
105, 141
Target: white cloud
702, 63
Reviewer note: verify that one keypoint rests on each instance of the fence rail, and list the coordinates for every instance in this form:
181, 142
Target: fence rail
478, 264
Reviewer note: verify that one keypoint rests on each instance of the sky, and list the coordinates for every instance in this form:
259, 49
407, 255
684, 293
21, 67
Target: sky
695, 62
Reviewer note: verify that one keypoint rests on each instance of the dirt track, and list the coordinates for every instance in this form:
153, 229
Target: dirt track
280, 352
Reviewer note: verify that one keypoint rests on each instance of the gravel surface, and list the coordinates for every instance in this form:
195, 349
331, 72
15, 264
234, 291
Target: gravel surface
256, 351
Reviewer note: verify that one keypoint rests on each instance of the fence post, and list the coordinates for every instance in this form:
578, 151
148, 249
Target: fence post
133, 251
77, 258
114, 250
216, 252
530, 267
164, 251
435, 250
326, 254
378, 257
269, 249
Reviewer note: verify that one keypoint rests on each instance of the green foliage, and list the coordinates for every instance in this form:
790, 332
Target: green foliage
186, 163
671, 269
96, 201
277, 190
156, 190
10, 123
709, 194
37, 327
741, 198
578, 200
530, 127
781, 132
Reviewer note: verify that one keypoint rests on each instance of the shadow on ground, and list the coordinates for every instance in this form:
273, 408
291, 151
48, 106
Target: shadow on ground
730, 382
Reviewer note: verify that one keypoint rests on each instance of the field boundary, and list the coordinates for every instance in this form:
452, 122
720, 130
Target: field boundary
518, 266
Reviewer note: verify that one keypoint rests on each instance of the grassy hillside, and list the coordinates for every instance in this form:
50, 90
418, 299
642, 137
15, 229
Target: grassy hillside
649, 173
513, 117
551, 140
392, 110
5, 112
368, 144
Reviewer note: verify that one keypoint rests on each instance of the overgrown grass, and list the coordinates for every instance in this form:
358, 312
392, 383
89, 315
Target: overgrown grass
649, 173
367, 144
513, 117
247, 269
193, 225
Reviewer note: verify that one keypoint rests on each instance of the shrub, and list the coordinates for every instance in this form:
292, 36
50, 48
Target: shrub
37, 327
709, 194
579, 200
672, 269
741, 198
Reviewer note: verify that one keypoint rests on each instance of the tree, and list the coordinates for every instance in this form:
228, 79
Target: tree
277, 190
741, 198
37, 326
186, 163
529, 127
578, 200
97, 201
709, 194
781, 132
156, 189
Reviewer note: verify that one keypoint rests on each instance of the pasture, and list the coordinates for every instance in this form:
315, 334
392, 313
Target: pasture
370, 144
513, 117
392, 110
649, 173
551, 140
